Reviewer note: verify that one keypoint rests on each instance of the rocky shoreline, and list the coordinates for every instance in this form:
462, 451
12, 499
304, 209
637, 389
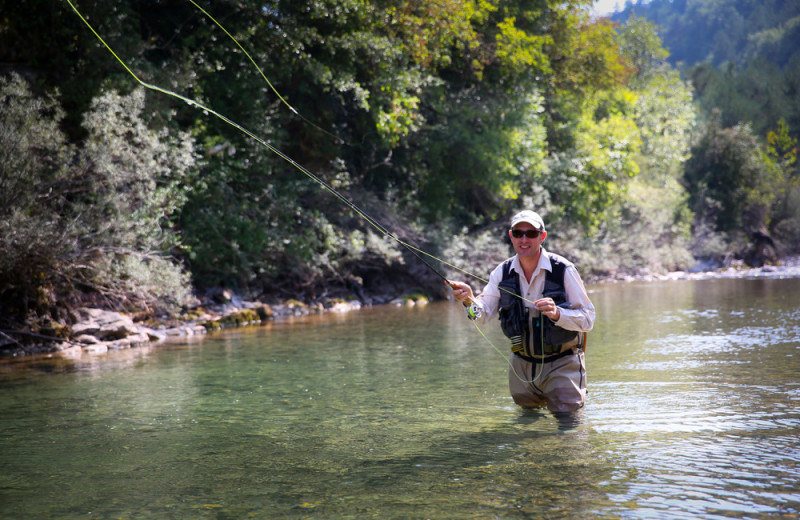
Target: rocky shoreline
96, 331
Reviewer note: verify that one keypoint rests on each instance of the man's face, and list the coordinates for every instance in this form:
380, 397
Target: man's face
525, 245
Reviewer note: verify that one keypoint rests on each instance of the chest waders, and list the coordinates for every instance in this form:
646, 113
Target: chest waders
534, 336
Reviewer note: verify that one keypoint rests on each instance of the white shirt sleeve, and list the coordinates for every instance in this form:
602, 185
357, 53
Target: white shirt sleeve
489, 298
581, 316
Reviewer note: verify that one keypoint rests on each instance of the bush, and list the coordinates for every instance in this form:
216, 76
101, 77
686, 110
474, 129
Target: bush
87, 222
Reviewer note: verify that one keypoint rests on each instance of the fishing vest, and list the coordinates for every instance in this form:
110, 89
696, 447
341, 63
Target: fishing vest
532, 334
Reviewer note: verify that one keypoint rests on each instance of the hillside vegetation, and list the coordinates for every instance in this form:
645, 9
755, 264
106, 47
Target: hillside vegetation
439, 120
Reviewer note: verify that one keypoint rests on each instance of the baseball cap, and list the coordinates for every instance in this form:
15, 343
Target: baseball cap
531, 217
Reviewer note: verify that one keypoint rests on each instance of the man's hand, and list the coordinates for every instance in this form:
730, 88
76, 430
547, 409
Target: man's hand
461, 292
548, 307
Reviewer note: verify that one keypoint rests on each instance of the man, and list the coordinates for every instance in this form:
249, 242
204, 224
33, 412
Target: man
545, 311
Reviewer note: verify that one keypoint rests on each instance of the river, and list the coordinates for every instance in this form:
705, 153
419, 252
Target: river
693, 412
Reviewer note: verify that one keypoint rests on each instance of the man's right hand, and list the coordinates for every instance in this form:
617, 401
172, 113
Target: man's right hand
461, 292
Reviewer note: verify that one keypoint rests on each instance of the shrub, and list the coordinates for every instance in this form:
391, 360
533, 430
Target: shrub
90, 221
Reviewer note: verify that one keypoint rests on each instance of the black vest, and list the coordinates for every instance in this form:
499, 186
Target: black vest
533, 335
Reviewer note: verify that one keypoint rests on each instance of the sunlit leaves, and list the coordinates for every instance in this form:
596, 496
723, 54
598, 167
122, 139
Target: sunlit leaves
400, 119
782, 148
519, 52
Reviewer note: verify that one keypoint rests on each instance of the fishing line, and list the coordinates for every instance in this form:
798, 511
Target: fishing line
417, 252
261, 72
306, 120
372, 221
508, 360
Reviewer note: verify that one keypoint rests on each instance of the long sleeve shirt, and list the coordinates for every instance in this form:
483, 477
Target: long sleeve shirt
579, 317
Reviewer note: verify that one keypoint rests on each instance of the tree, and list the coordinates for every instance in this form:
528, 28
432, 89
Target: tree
730, 180
431, 116
782, 151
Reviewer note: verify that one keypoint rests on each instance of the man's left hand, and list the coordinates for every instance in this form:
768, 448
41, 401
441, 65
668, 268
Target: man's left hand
548, 307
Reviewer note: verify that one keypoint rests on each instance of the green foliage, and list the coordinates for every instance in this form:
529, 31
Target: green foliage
782, 148
437, 118
593, 176
34, 159
519, 52
786, 220
759, 93
639, 42
95, 216
730, 179
743, 57
743, 61
632, 143
785, 215
481, 160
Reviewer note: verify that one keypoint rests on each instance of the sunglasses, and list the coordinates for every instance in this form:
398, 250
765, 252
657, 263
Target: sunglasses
530, 233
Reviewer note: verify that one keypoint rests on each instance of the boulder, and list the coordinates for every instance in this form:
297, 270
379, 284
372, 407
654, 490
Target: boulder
153, 335
104, 325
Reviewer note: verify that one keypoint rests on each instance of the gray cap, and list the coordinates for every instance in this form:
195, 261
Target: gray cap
531, 217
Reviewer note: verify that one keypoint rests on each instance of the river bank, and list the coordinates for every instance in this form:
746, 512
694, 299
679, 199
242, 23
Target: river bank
93, 331
96, 331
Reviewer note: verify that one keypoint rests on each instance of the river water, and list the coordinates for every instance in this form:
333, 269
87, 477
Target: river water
693, 412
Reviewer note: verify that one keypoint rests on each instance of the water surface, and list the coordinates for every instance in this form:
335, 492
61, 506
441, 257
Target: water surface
693, 411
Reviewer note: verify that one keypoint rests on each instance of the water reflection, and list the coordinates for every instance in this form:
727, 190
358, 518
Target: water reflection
692, 411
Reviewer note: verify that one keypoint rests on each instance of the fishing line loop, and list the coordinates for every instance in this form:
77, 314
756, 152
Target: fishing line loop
417, 252
347, 202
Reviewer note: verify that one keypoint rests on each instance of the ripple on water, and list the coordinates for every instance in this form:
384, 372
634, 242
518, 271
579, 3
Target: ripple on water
701, 450
709, 475
670, 407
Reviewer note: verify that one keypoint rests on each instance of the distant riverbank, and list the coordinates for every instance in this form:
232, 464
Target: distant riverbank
96, 331
788, 267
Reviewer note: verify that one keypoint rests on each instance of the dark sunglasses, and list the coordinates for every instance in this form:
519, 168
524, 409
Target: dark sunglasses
530, 233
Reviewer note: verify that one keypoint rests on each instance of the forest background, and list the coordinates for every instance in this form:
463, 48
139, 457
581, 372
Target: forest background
657, 139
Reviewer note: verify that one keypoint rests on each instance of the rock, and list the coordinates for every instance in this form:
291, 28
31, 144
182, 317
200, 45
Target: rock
212, 325
242, 317
221, 295
87, 339
264, 312
233, 319
71, 352
137, 340
346, 306
117, 329
153, 335
85, 328
56, 330
100, 348
708, 264
104, 325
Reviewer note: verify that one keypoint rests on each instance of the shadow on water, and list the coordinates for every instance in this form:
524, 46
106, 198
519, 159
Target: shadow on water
529, 416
